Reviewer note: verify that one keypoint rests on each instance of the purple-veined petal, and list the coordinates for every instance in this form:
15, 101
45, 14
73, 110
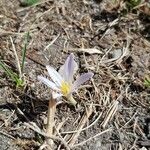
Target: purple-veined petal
80, 80
55, 76
69, 68
48, 83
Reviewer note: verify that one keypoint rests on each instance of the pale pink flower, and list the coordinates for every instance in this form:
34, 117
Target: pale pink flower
62, 82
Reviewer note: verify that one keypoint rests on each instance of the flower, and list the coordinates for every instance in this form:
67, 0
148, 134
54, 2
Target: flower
62, 81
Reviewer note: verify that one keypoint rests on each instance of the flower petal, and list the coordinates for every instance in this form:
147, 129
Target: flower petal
56, 95
69, 68
48, 83
54, 75
80, 80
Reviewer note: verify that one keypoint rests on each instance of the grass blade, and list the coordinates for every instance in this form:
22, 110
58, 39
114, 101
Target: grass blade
8, 72
147, 82
24, 51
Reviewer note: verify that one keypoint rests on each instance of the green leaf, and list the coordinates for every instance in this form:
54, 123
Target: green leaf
24, 50
9, 72
132, 3
13, 76
147, 82
29, 2
20, 83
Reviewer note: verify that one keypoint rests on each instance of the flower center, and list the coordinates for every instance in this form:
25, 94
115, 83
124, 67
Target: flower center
65, 88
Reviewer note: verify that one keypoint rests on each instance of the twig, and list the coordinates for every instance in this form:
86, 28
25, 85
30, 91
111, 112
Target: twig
35, 128
5, 121
110, 113
40, 17
125, 50
69, 132
84, 119
133, 117
59, 126
52, 42
89, 139
16, 56
86, 50
10, 136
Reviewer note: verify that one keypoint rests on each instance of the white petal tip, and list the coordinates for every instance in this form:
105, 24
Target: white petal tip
56, 95
48, 83
39, 78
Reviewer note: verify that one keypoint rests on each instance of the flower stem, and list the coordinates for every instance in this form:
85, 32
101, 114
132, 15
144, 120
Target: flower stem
72, 100
50, 120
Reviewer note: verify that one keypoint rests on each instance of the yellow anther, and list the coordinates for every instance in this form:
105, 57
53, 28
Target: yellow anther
65, 88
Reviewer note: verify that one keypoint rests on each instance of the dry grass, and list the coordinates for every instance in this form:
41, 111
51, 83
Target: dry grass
112, 110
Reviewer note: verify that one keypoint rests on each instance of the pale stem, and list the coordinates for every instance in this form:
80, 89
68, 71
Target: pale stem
72, 100
50, 120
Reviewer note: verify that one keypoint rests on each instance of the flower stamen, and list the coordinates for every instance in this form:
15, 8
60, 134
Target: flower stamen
65, 88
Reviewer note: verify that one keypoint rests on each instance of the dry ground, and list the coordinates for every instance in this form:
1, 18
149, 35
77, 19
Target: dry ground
113, 45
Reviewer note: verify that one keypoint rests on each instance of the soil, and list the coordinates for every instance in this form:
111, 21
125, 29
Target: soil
106, 39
